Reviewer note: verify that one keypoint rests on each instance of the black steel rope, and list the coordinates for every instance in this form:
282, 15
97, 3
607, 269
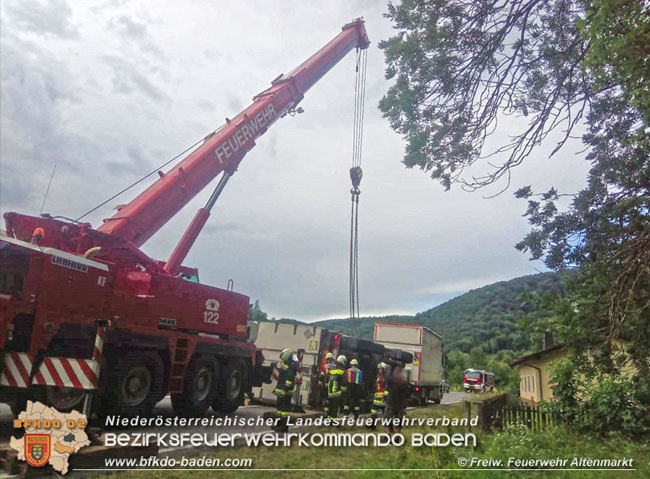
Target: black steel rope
355, 175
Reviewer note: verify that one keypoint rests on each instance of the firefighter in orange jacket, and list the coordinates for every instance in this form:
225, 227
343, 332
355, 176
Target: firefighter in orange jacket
379, 400
336, 387
285, 387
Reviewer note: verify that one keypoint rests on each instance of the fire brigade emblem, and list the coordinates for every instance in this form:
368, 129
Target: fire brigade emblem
211, 313
50, 436
37, 449
212, 305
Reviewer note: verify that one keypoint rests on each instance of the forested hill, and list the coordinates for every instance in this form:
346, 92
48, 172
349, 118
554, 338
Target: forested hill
485, 316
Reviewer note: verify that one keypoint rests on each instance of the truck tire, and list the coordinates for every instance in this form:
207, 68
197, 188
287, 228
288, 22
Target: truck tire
60, 398
64, 399
133, 384
231, 388
199, 387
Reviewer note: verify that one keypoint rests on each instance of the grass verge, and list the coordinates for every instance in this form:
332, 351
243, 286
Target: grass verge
517, 442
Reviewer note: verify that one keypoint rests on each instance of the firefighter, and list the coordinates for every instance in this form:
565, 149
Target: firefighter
399, 392
354, 379
322, 380
285, 387
378, 402
336, 387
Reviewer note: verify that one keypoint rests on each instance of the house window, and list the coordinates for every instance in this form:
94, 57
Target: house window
532, 381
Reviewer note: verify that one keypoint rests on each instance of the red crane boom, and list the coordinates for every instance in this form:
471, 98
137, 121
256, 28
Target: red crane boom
148, 212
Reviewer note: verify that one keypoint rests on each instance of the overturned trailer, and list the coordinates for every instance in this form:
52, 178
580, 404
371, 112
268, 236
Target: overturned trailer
312, 345
271, 338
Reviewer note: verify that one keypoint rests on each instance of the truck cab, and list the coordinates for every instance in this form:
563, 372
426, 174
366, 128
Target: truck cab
478, 380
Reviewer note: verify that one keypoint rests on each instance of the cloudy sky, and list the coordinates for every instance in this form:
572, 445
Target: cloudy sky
108, 91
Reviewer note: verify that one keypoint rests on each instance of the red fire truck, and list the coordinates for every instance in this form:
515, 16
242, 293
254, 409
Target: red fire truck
478, 380
86, 317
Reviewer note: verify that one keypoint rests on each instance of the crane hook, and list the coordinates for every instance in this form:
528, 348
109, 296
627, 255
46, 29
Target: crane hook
356, 173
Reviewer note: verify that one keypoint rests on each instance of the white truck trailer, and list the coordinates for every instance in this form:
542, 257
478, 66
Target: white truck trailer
271, 338
425, 373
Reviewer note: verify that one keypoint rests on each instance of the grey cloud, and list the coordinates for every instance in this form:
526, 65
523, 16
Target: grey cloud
235, 104
205, 105
35, 87
128, 78
130, 27
136, 32
133, 161
44, 17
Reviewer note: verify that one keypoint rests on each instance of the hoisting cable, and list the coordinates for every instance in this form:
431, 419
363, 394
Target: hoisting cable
156, 170
355, 175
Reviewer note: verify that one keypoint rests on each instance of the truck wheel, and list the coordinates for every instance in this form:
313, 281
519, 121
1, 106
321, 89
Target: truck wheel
133, 384
231, 388
64, 399
199, 387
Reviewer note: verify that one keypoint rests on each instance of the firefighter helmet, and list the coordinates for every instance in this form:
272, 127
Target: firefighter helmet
342, 359
382, 365
329, 356
286, 354
354, 362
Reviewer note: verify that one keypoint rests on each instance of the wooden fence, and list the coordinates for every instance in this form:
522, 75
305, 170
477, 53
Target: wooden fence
496, 413
534, 418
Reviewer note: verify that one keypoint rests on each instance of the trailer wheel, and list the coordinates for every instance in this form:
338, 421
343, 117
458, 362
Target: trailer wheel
133, 384
199, 388
231, 388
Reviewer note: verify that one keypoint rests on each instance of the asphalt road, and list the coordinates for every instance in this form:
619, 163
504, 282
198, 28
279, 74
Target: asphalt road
452, 398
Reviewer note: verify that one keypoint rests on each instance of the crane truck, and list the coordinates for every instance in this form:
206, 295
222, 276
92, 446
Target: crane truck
89, 321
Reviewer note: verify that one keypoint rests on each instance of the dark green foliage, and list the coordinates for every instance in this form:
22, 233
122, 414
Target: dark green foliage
605, 403
459, 66
255, 313
488, 316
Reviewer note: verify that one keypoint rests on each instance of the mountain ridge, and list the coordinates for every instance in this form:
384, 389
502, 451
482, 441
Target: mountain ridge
485, 316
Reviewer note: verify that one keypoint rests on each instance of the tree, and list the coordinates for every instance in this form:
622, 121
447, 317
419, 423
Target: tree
460, 66
255, 313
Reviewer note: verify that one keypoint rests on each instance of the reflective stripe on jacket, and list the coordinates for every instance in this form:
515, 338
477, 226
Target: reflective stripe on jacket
336, 382
286, 379
354, 375
380, 390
